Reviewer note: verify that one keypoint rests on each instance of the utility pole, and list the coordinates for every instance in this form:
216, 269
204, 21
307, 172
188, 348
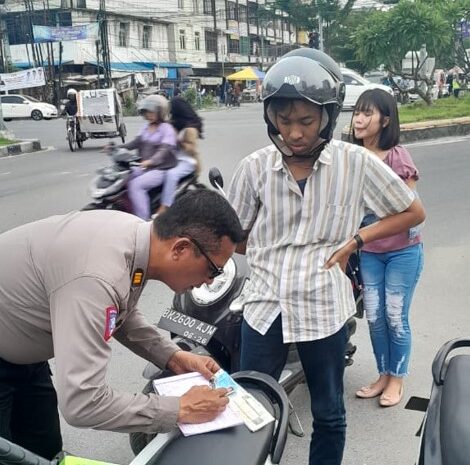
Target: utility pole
5, 44
105, 43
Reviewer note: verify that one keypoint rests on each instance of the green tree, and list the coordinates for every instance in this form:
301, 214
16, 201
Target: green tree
387, 37
305, 15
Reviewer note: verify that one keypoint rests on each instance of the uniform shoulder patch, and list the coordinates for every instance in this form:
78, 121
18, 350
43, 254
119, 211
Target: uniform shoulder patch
110, 324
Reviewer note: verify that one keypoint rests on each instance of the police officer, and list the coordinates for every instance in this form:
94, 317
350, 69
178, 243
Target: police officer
69, 284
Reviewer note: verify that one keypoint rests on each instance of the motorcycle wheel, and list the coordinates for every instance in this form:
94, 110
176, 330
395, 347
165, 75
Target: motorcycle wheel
71, 140
140, 440
92, 206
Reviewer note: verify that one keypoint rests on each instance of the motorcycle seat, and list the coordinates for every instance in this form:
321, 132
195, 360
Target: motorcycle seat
455, 412
231, 446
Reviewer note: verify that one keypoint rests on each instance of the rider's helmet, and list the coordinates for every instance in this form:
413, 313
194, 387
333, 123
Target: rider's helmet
304, 75
155, 104
71, 94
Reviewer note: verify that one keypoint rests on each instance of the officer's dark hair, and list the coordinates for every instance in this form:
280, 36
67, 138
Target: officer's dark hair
203, 215
387, 107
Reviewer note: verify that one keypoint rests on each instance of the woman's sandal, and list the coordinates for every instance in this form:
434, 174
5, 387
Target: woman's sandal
388, 401
368, 392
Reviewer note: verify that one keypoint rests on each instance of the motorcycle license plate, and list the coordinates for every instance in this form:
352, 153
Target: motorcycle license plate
186, 326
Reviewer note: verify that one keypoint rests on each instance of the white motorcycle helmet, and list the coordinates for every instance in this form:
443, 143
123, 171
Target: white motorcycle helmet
155, 104
71, 93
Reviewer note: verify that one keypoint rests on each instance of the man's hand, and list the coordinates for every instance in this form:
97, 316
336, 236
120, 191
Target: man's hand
341, 256
201, 404
184, 362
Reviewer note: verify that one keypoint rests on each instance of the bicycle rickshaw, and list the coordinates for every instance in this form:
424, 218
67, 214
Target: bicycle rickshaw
99, 116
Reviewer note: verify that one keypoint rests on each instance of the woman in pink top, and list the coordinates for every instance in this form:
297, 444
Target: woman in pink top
390, 267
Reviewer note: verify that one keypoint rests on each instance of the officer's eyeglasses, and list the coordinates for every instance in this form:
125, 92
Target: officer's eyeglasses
215, 270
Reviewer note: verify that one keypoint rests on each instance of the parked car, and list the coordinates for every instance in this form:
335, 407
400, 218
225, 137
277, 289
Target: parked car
356, 85
24, 106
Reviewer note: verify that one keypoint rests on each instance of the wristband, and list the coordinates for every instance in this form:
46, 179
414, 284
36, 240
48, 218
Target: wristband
359, 241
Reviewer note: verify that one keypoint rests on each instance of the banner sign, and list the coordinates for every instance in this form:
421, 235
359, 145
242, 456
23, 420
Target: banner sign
33, 77
60, 34
465, 28
97, 110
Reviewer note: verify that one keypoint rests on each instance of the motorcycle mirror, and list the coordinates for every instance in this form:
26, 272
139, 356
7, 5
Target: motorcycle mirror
216, 179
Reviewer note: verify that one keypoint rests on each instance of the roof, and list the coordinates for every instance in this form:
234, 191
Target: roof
250, 73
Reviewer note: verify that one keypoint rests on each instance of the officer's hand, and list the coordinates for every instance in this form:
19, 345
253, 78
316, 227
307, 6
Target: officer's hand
201, 404
341, 256
185, 362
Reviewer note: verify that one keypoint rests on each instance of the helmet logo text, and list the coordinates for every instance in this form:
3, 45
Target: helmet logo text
292, 79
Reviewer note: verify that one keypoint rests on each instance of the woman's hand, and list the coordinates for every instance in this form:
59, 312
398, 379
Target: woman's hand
146, 164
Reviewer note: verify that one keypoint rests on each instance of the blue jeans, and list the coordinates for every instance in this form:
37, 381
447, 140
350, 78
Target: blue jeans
323, 364
389, 283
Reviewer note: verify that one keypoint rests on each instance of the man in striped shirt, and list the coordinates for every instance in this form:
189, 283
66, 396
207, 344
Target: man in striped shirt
302, 201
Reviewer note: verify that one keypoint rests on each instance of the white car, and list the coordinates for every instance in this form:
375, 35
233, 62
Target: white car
24, 106
356, 85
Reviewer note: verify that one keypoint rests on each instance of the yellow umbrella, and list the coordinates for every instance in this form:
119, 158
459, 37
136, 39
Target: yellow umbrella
247, 74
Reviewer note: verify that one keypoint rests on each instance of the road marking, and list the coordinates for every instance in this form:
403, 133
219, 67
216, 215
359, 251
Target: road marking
82, 175
5, 174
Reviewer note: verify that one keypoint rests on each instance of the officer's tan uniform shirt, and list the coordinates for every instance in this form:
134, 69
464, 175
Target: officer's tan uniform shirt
64, 281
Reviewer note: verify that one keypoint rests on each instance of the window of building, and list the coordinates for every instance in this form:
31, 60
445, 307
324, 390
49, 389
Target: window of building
252, 13
244, 45
232, 13
197, 40
146, 37
73, 4
196, 6
124, 34
182, 39
233, 45
208, 9
211, 41
180, 4
242, 13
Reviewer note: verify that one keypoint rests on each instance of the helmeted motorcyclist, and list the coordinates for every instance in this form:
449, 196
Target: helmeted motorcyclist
301, 202
70, 108
156, 145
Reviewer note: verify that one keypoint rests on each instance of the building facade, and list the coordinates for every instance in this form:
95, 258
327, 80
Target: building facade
210, 36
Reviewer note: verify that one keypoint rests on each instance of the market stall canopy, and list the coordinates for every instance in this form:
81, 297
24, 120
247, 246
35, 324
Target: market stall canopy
250, 73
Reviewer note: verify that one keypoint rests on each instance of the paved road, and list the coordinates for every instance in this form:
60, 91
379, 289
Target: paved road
55, 181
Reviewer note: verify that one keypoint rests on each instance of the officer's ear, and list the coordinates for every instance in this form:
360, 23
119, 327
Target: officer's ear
180, 248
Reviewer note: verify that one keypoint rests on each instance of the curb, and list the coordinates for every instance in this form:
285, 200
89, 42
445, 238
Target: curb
22, 146
425, 130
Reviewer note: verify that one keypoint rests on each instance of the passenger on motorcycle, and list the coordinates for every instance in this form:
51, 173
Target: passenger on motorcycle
156, 145
189, 126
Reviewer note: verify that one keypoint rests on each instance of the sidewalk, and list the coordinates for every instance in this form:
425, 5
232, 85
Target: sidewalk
424, 130
19, 147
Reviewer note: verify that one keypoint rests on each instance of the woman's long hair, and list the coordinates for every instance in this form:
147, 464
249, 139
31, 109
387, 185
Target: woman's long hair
184, 116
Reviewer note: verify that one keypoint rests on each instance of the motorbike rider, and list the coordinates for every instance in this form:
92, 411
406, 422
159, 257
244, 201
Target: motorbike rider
70, 108
301, 202
71, 283
156, 145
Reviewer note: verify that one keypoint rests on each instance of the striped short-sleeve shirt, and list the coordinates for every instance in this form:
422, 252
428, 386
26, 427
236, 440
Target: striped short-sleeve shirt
293, 235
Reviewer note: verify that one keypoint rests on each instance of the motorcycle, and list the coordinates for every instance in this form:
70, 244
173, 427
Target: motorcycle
232, 446
444, 433
207, 321
109, 187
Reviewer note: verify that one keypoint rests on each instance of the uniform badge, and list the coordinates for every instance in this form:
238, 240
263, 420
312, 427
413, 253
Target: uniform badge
138, 277
111, 320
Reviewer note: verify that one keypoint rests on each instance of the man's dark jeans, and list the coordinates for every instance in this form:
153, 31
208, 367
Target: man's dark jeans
28, 408
323, 363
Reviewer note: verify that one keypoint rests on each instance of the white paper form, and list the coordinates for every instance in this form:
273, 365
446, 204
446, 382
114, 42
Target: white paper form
180, 384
